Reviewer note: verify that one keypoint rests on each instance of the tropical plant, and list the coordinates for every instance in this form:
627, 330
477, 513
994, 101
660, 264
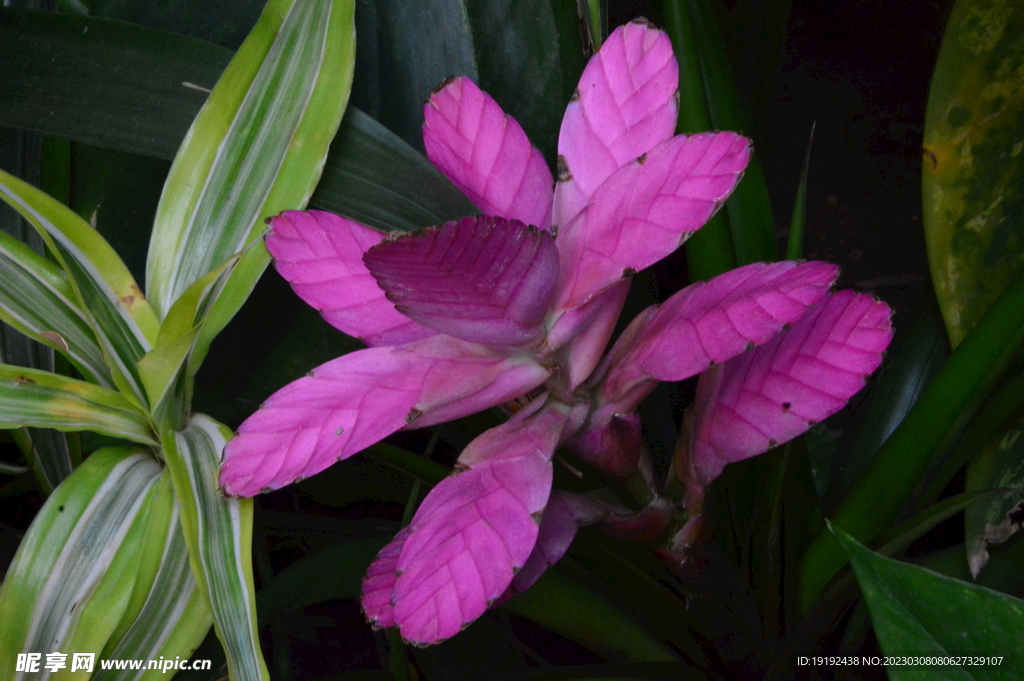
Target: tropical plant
582, 509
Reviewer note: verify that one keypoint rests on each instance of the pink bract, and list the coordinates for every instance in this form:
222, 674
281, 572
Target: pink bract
519, 303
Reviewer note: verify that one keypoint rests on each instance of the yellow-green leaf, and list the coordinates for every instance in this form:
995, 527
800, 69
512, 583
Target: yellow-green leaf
31, 397
974, 160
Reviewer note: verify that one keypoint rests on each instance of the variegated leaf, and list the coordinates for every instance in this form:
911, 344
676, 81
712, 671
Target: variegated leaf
37, 299
72, 577
256, 148
29, 397
167, 615
218, 532
168, 369
122, 320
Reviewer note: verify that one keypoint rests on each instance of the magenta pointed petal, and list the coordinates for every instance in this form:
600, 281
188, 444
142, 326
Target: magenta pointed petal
321, 255
485, 153
350, 403
484, 279
475, 529
710, 322
379, 583
565, 514
625, 105
777, 391
646, 209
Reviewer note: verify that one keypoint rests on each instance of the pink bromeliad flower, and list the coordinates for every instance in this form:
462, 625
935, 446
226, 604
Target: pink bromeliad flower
520, 303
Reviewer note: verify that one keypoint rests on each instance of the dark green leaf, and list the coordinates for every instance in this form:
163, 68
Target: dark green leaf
938, 418
917, 612
748, 209
710, 251
376, 178
795, 239
899, 387
66, 76
556, 602
226, 22
337, 571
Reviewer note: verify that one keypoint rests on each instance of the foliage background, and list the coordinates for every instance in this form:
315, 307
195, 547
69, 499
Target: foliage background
859, 70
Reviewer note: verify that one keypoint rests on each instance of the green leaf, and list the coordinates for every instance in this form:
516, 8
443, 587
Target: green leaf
556, 602
374, 177
900, 385
417, 466
748, 208
218, 533
594, 21
999, 464
145, 86
900, 537
940, 415
257, 147
529, 57
167, 615
918, 612
795, 239
37, 299
40, 398
225, 23
971, 187
710, 251
121, 318
337, 570
168, 369
997, 409
409, 48
72, 576
65, 76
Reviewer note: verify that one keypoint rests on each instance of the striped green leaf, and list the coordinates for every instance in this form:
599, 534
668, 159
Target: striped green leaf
218, 533
122, 320
167, 615
30, 397
27, 155
73, 574
257, 147
168, 369
37, 299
